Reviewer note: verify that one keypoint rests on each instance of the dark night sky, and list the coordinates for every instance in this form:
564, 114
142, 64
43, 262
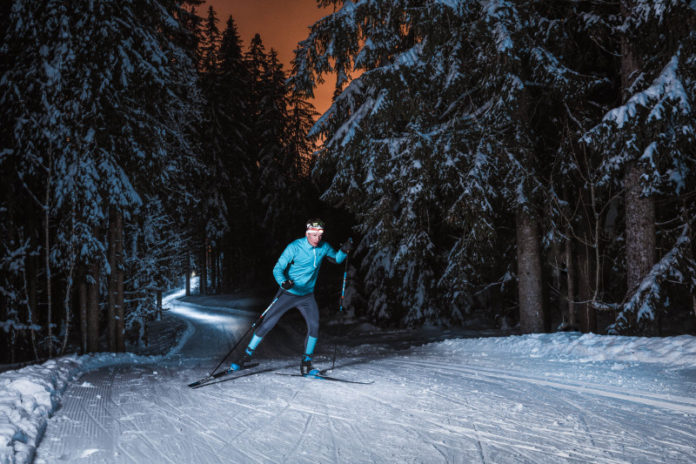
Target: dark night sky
281, 23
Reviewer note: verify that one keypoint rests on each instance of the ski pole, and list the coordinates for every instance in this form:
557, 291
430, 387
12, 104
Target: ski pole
253, 326
343, 288
340, 306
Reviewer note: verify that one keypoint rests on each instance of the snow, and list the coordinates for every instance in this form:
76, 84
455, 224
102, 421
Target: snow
542, 398
648, 296
667, 88
30, 395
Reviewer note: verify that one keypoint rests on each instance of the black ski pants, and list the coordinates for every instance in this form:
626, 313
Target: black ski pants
305, 303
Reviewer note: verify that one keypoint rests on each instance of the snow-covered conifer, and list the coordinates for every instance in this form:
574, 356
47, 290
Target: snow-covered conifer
97, 104
647, 147
436, 139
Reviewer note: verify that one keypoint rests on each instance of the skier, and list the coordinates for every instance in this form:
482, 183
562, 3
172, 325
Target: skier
296, 272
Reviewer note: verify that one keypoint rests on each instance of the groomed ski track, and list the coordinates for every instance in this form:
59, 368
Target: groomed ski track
428, 404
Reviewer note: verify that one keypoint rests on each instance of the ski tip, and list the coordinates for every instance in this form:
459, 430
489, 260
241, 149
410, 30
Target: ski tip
202, 380
213, 376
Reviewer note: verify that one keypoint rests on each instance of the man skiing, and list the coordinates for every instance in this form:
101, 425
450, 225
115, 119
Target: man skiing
296, 272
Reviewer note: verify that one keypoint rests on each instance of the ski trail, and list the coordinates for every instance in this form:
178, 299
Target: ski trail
671, 402
332, 431
492, 409
485, 458
88, 411
121, 430
501, 379
303, 435
498, 440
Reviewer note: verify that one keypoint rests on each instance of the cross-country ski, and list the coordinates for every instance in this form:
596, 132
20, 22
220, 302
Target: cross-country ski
217, 375
320, 376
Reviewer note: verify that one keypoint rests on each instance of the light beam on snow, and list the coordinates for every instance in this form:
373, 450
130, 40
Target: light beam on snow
167, 299
219, 319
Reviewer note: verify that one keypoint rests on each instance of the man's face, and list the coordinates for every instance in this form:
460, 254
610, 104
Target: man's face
314, 237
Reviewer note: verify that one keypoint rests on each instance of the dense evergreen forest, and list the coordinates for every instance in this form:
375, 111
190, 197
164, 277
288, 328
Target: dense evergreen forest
141, 142
500, 163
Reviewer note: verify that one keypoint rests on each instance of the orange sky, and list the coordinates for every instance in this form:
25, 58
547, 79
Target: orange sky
281, 23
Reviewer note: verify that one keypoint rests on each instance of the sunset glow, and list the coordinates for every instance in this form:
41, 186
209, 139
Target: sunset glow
281, 24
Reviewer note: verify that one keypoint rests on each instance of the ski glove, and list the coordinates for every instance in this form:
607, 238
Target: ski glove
347, 246
287, 285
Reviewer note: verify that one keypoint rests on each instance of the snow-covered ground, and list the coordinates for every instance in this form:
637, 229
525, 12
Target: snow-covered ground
550, 398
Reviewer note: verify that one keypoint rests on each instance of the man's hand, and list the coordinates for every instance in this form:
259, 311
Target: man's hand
347, 246
287, 285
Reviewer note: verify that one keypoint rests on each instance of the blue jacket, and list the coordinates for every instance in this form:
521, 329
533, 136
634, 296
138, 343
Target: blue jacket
304, 261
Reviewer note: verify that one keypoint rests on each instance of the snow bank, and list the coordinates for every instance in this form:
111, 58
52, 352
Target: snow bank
572, 346
29, 396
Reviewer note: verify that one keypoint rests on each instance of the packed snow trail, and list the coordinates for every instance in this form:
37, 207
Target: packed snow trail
529, 399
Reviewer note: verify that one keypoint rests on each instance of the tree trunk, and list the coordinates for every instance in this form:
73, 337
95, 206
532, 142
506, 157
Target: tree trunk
120, 311
111, 292
31, 285
692, 247
214, 260
570, 283
218, 260
5, 315
188, 275
640, 230
47, 256
82, 290
68, 291
587, 315
529, 272
640, 211
66, 305
203, 278
93, 309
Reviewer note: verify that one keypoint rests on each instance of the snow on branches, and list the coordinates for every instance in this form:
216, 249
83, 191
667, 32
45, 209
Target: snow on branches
677, 266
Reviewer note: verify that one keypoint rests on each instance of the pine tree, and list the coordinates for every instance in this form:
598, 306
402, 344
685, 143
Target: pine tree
212, 216
256, 62
378, 145
238, 161
647, 143
275, 162
209, 61
444, 132
300, 121
96, 103
383, 138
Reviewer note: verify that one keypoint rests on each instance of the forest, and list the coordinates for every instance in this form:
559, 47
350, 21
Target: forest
499, 163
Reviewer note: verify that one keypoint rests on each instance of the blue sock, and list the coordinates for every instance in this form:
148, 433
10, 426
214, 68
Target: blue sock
309, 349
255, 340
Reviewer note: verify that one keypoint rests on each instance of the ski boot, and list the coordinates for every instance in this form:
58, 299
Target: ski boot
240, 363
306, 368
